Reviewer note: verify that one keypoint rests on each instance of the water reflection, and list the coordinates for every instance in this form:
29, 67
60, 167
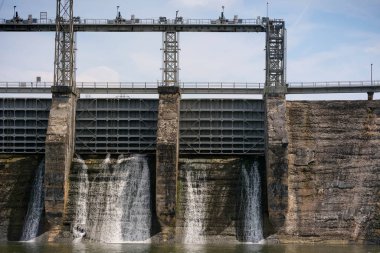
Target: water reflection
180, 248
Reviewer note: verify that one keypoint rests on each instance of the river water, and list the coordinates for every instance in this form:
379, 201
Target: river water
183, 248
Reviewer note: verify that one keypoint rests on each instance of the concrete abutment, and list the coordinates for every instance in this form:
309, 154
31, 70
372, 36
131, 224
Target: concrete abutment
167, 155
276, 155
59, 151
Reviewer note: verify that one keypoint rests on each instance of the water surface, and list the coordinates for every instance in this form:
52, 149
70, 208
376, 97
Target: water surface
189, 248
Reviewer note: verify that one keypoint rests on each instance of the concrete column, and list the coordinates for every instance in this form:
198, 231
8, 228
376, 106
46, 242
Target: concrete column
59, 145
167, 158
276, 154
370, 95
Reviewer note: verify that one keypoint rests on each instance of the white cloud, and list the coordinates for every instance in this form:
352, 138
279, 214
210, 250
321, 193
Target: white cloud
98, 74
222, 57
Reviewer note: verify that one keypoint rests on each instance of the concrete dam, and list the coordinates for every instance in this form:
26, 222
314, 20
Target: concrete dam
192, 171
300, 163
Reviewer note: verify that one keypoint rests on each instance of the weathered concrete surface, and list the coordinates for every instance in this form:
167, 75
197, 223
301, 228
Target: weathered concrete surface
216, 185
334, 172
59, 152
276, 153
167, 159
17, 174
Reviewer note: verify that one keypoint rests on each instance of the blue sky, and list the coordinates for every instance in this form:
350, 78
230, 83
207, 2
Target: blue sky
327, 41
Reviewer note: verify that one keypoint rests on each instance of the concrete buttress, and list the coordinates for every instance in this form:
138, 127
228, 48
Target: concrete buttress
276, 154
59, 144
167, 158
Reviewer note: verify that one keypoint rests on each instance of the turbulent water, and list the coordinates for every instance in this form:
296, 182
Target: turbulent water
81, 210
119, 201
251, 202
187, 248
35, 206
196, 208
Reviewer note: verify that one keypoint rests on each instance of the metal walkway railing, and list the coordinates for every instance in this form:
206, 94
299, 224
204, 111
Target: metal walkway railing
195, 87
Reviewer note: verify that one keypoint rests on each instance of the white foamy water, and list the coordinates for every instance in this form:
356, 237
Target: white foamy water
79, 226
119, 201
251, 202
196, 208
35, 206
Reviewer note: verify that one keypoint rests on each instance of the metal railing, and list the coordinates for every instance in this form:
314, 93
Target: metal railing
134, 85
333, 84
189, 85
137, 21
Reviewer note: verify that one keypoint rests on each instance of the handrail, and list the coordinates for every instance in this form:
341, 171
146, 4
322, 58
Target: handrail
138, 21
189, 85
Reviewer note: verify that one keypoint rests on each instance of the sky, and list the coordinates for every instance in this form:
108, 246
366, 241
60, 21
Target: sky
326, 41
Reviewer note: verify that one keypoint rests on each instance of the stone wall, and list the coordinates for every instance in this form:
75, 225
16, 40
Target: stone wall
17, 174
334, 171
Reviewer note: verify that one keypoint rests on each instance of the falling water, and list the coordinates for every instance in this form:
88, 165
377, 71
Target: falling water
195, 212
35, 206
251, 200
79, 225
119, 202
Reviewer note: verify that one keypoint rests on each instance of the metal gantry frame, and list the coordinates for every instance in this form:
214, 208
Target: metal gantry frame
275, 56
65, 40
170, 70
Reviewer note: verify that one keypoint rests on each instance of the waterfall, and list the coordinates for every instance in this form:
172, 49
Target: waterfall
79, 225
119, 201
251, 202
35, 206
196, 207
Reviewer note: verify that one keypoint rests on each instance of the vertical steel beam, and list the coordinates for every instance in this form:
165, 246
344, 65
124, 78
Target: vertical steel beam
64, 60
275, 56
170, 70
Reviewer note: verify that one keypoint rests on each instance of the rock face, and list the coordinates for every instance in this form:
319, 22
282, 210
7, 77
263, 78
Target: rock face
276, 159
334, 171
17, 174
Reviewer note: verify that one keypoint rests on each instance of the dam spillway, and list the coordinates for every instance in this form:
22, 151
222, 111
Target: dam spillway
312, 186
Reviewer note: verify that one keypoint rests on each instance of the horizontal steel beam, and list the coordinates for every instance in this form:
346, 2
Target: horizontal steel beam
126, 27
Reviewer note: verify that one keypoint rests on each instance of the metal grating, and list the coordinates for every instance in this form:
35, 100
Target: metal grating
116, 125
218, 126
23, 124
222, 126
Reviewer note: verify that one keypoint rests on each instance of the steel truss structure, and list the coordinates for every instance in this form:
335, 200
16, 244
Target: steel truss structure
275, 56
170, 70
64, 59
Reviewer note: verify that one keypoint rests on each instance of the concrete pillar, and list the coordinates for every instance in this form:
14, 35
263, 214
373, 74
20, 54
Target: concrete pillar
59, 150
370, 95
167, 158
276, 154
